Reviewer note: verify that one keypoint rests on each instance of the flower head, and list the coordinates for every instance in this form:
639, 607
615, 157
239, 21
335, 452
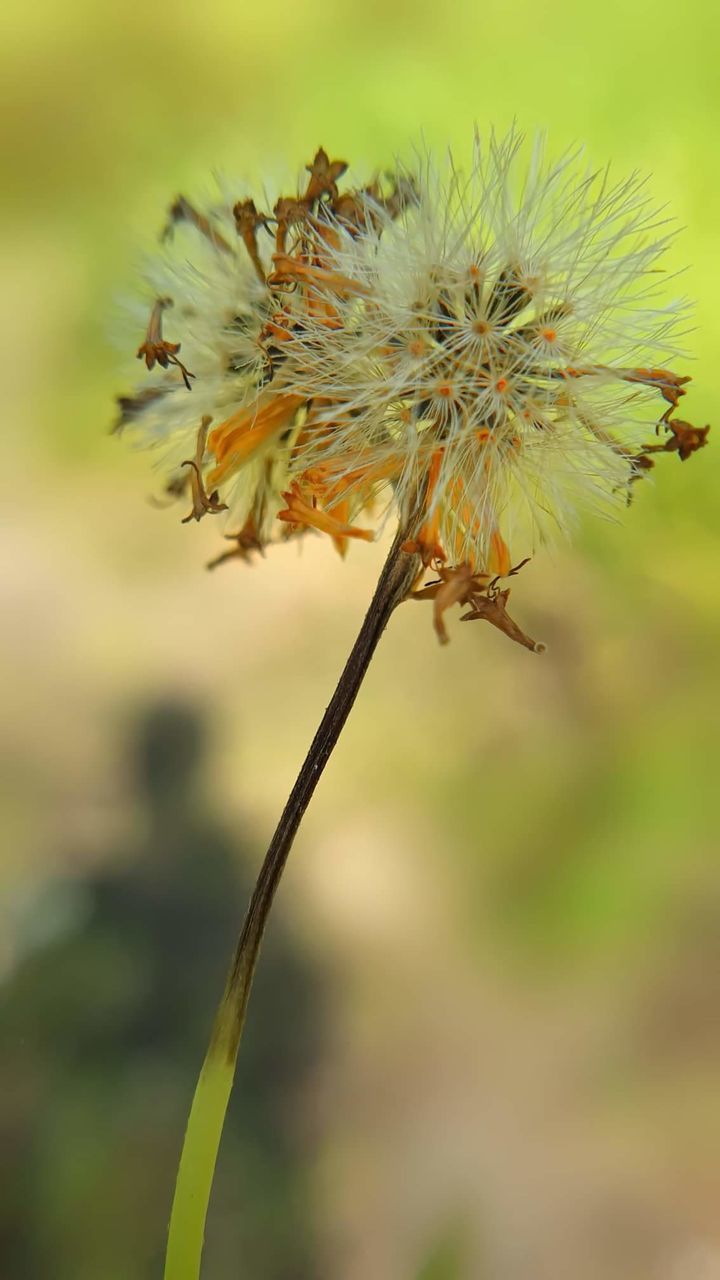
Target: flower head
484, 352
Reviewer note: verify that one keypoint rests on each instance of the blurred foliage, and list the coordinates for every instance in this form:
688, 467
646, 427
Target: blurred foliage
511, 870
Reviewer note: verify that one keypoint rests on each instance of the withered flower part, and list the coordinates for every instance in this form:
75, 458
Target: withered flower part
245, 542
304, 511
290, 269
155, 350
492, 607
247, 222
132, 406
670, 385
404, 194
371, 204
684, 439
454, 586
324, 174
288, 211
641, 465
461, 585
203, 503
175, 488
352, 208
183, 211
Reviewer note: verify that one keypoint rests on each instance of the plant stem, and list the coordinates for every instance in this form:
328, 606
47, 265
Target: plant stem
207, 1114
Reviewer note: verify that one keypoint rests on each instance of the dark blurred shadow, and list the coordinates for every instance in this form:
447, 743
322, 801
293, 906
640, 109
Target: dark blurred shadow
104, 1033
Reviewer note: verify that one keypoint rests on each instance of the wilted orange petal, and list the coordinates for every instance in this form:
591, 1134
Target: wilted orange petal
233, 440
499, 561
300, 512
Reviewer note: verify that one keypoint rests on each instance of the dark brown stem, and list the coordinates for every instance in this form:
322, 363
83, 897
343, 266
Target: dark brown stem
396, 579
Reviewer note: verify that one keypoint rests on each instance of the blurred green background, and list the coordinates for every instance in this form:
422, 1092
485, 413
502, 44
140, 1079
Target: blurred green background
486, 1037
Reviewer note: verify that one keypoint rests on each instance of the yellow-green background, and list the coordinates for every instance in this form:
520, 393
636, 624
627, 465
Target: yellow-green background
509, 875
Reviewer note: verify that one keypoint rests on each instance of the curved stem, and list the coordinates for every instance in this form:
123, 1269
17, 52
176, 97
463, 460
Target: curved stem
207, 1114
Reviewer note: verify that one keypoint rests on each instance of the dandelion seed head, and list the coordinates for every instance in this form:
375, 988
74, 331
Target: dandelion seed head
481, 350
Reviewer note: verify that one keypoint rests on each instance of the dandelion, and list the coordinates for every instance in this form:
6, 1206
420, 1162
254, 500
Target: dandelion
480, 355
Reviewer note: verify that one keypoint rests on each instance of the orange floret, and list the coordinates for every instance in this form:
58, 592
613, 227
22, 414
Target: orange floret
233, 440
427, 543
302, 511
499, 561
289, 270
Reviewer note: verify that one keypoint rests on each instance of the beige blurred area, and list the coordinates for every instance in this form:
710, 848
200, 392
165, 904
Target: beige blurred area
506, 893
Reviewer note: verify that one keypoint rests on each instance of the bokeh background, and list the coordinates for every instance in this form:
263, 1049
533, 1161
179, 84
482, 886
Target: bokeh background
485, 1039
